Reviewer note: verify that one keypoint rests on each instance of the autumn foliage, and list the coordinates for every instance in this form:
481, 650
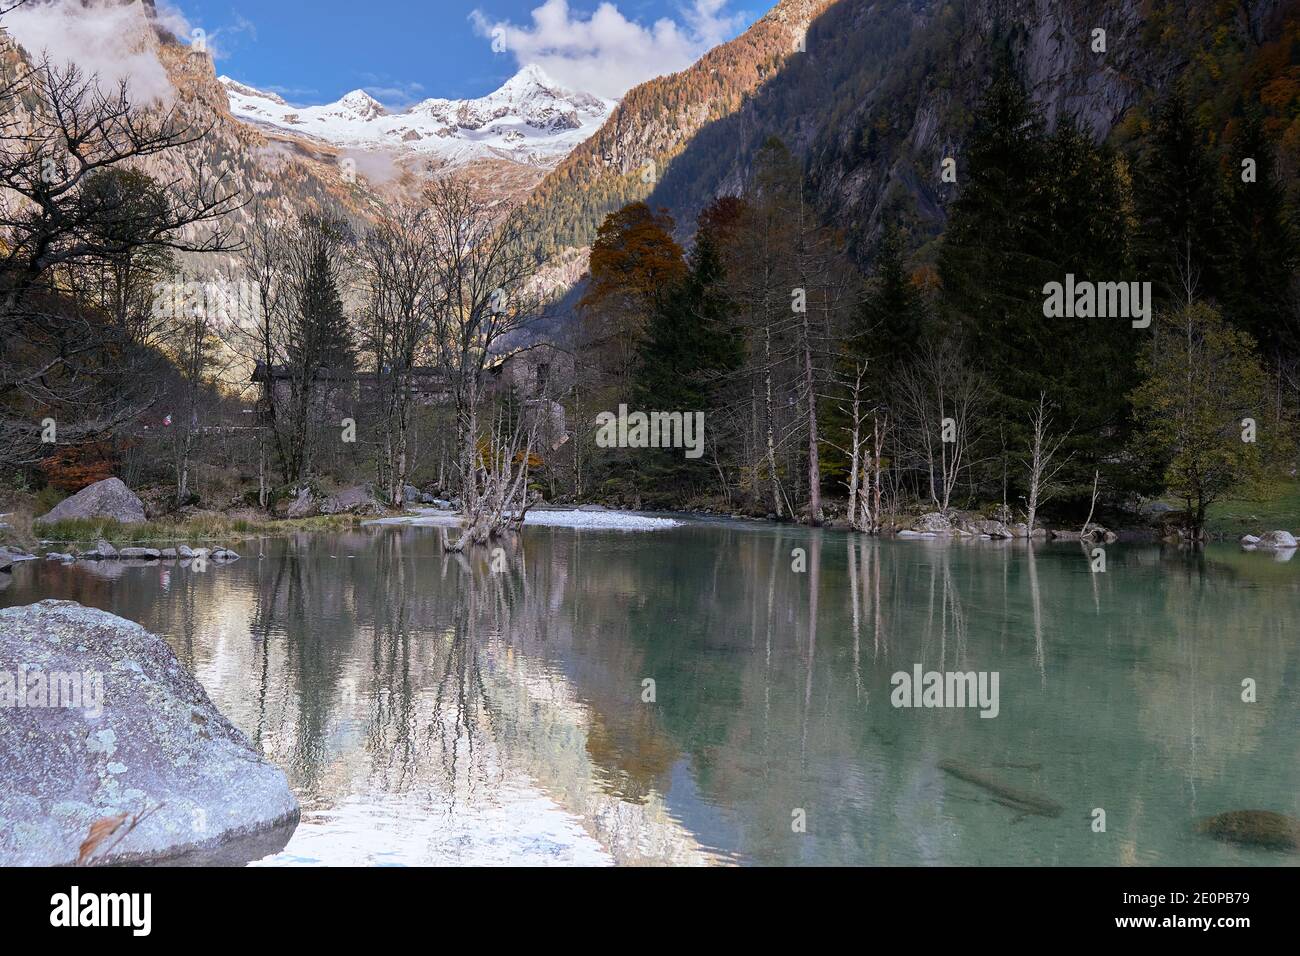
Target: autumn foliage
73, 467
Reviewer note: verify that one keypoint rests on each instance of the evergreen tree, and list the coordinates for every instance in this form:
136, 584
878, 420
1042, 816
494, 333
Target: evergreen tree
1264, 249
996, 257
1087, 366
892, 317
1179, 209
688, 348
992, 263
324, 320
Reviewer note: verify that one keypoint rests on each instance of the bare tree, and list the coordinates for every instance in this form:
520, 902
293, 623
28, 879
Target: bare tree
485, 257
1043, 464
402, 297
67, 146
261, 338
941, 397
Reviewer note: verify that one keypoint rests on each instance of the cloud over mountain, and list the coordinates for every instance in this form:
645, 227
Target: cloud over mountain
606, 53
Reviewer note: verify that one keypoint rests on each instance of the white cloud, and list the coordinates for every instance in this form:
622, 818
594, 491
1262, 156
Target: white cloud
214, 40
606, 53
101, 37
113, 39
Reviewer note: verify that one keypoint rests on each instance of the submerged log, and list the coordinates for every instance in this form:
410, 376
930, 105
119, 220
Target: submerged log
1023, 800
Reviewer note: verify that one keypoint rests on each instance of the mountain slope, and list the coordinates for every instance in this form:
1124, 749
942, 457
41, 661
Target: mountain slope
884, 90
657, 119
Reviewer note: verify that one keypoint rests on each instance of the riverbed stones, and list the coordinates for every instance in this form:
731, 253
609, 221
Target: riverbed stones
985, 526
100, 552
109, 498
224, 554
1095, 532
183, 552
1259, 828
144, 554
143, 755
11, 556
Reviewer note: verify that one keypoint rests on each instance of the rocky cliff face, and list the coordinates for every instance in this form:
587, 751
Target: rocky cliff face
287, 174
886, 90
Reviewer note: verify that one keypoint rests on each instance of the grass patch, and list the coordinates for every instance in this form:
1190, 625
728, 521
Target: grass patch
1276, 507
198, 529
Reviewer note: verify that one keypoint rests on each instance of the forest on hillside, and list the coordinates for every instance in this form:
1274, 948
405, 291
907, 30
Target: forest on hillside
822, 383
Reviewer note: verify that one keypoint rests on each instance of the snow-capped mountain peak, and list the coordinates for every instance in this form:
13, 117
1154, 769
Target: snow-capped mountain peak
362, 104
530, 118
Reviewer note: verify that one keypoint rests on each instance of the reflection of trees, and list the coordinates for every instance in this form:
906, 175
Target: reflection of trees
404, 669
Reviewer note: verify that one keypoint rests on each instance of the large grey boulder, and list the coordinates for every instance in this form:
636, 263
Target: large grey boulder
936, 522
1276, 540
359, 499
303, 506
109, 498
985, 526
140, 753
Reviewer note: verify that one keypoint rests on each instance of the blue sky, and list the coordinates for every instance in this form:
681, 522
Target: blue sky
402, 51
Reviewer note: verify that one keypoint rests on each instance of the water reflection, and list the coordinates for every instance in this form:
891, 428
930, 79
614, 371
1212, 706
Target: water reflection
484, 708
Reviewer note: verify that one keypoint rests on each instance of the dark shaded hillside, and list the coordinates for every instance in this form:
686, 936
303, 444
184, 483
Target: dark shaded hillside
887, 89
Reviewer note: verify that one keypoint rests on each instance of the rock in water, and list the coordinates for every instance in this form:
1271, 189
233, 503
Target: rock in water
1262, 828
1276, 540
143, 744
109, 498
147, 554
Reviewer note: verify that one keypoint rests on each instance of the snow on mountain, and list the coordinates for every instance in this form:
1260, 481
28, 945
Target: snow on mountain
530, 119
